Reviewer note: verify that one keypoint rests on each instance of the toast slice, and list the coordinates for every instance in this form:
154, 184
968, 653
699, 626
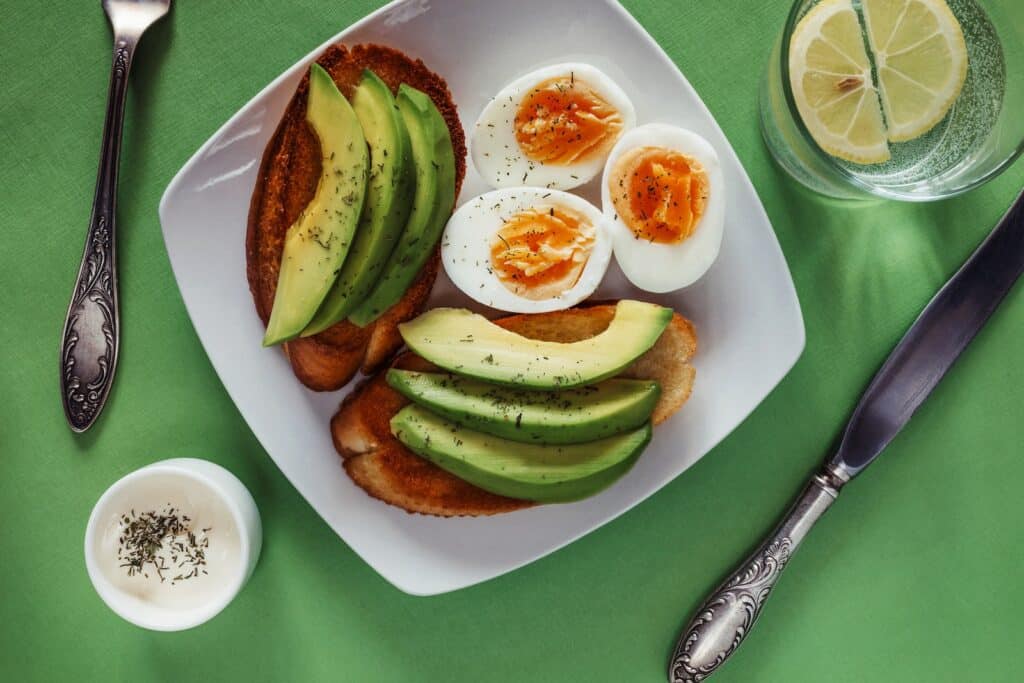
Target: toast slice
287, 181
388, 471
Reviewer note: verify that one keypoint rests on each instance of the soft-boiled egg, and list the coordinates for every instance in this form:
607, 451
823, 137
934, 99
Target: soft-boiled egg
551, 128
526, 249
663, 194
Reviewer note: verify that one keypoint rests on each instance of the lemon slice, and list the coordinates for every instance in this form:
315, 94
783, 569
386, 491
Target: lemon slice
830, 77
921, 59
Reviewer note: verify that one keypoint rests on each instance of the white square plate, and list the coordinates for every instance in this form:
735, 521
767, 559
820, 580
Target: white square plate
745, 309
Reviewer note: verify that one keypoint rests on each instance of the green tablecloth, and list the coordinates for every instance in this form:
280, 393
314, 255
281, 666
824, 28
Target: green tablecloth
914, 576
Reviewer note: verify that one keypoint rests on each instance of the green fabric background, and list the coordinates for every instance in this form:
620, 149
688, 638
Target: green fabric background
913, 576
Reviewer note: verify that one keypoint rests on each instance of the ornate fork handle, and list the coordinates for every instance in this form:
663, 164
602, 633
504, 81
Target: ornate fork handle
89, 343
725, 618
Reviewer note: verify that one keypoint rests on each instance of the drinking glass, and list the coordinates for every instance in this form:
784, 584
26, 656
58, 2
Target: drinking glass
980, 136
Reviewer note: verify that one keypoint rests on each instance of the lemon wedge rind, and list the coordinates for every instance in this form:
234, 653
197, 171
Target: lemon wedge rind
830, 77
921, 60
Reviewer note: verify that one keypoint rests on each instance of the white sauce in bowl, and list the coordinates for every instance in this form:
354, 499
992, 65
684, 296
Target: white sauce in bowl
168, 546
199, 547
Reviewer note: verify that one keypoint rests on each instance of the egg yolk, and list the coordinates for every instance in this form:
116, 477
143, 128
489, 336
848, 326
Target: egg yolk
540, 253
660, 194
562, 121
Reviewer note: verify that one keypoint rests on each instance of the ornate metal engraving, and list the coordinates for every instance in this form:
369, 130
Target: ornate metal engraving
89, 345
720, 624
121, 56
737, 604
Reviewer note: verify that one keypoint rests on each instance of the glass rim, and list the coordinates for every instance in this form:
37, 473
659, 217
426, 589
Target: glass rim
792, 19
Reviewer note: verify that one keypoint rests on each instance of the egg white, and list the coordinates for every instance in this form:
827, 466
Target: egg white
656, 267
496, 153
470, 232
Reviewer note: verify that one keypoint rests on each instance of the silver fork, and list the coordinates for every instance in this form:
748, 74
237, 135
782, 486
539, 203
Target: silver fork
92, 329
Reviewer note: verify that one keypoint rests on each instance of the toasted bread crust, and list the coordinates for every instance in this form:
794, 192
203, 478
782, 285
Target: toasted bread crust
388, 471
667, 360
285, 185
385, 469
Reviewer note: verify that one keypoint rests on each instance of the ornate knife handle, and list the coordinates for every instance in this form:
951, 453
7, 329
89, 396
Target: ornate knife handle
89, 343
725, 618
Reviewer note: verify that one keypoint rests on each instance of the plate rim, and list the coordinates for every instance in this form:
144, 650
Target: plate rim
790, 355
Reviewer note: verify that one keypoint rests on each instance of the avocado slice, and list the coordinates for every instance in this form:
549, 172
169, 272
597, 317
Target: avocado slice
571, 416
433, 158
546, 474
317, 244
469, 344
389, 195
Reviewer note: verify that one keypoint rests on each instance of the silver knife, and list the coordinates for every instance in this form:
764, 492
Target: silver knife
924, 355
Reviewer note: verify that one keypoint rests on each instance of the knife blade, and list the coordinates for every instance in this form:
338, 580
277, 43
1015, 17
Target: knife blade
920, 360
934, 342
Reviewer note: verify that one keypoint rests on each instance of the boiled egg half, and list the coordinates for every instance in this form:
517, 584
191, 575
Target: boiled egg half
526, 249
664, 197
551, 128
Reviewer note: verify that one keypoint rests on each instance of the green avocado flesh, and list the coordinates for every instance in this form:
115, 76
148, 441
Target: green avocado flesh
389, 194
434, 161
546, 474
571, 416
318, 242
468, 344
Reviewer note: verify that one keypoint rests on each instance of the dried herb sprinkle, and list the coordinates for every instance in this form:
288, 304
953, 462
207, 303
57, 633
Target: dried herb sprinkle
163, 542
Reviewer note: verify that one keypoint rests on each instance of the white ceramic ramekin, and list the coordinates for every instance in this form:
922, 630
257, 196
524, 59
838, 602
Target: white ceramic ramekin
246, 517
